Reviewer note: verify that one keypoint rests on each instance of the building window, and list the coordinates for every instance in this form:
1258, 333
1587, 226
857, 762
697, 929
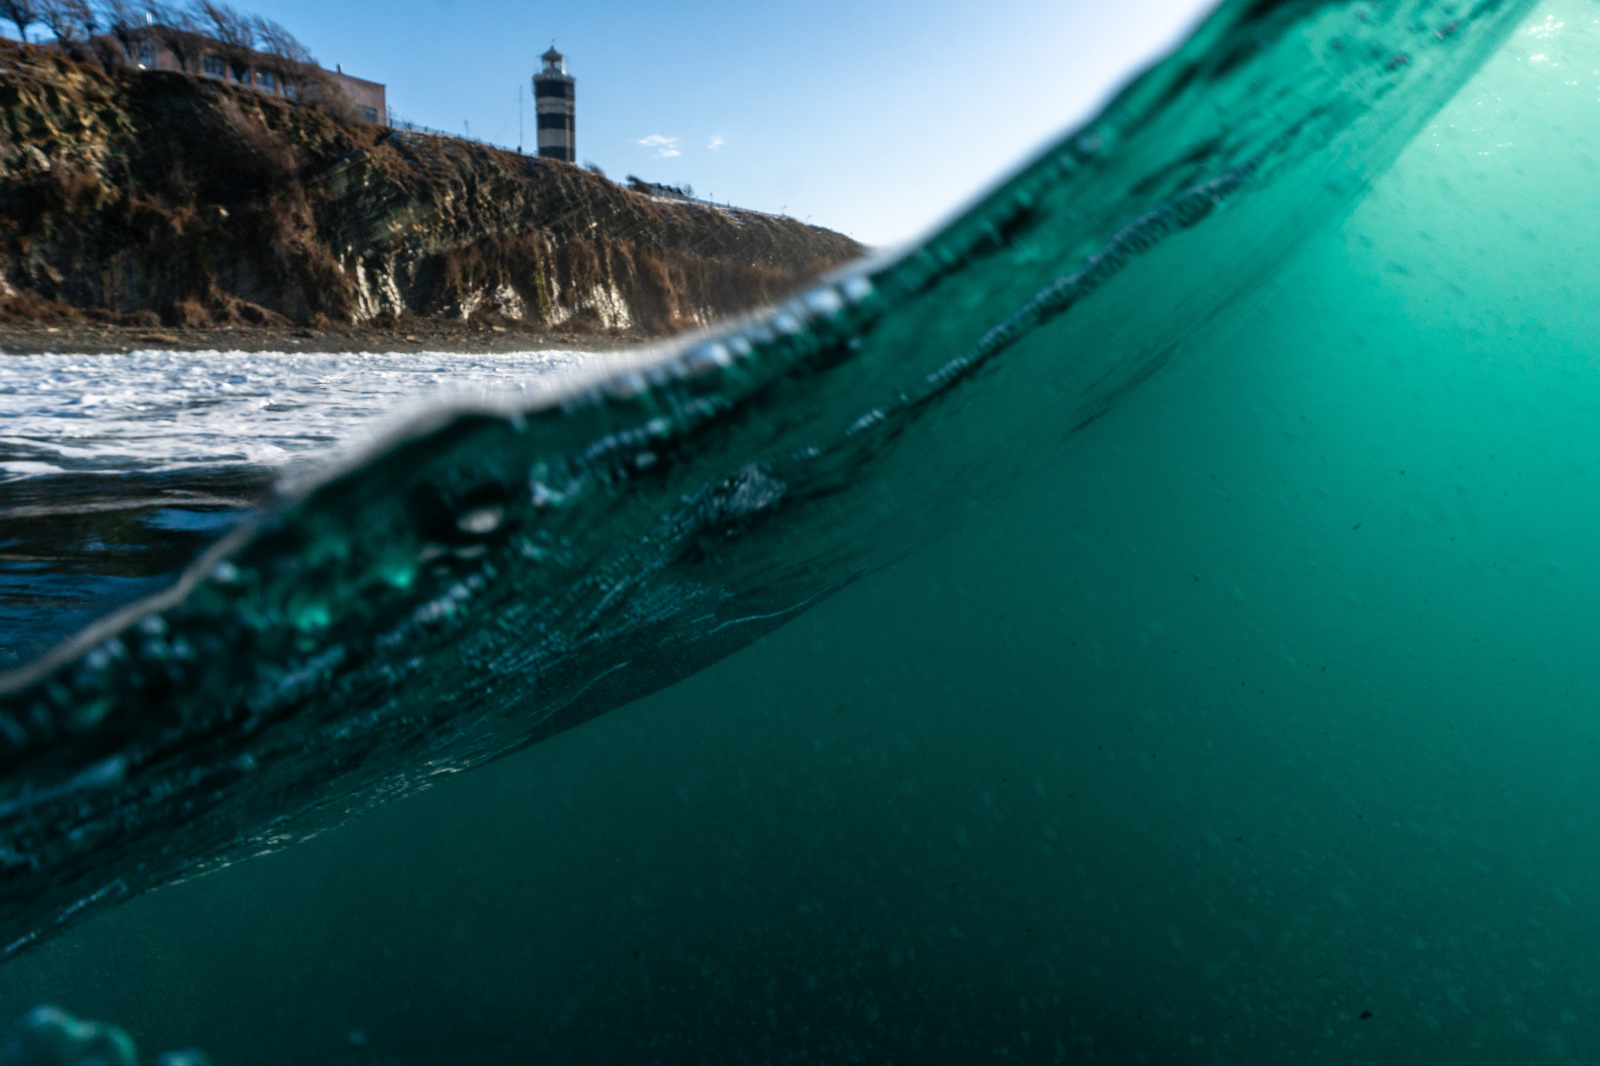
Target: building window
291, 90
214, 66
147, 54
265, 79
370, 114
241, 74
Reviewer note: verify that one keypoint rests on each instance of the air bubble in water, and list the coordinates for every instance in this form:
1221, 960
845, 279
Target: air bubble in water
481, 521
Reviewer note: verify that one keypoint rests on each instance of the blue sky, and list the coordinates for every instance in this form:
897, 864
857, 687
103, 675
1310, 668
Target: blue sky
873, 118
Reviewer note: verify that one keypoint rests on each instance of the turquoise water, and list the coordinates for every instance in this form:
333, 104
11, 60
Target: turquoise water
1244, 715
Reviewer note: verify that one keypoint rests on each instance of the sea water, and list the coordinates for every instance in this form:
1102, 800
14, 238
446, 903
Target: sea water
116, 471
1249, 718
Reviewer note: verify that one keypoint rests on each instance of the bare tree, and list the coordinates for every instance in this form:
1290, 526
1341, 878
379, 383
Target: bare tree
225, 24
69, 20
124, 21
24, 13
278, 42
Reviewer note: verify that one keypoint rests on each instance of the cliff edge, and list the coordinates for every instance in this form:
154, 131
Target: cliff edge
152, 198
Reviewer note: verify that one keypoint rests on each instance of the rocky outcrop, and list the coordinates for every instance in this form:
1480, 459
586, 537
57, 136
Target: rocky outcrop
138, 196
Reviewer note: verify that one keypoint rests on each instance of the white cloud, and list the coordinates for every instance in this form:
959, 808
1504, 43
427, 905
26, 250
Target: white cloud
715, 142
666, 147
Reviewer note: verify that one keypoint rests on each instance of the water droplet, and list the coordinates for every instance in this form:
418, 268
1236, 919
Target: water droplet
706, 356
824, 301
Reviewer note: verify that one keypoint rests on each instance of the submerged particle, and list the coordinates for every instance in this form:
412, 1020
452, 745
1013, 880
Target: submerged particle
1365, 1015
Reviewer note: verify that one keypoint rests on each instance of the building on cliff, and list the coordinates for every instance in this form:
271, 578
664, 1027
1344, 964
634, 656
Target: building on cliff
158, 47
555, 100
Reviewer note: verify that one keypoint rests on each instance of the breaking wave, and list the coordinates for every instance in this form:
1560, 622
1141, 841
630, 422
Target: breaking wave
498, 571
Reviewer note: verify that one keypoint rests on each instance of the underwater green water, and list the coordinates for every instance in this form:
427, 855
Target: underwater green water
1262, 703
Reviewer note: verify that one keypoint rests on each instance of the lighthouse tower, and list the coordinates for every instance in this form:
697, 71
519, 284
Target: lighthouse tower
555, 101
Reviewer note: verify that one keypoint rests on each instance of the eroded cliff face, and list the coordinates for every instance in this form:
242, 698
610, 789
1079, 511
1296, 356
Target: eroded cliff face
134, 196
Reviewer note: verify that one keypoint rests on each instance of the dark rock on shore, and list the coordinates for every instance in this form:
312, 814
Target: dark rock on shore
87, 337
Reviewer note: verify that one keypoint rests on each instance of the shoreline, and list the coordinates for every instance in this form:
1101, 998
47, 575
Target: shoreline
92, 338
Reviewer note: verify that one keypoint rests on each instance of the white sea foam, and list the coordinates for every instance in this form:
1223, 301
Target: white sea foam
162, 410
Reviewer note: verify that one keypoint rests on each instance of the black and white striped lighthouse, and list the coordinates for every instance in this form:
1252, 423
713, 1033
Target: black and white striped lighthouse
555, 101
